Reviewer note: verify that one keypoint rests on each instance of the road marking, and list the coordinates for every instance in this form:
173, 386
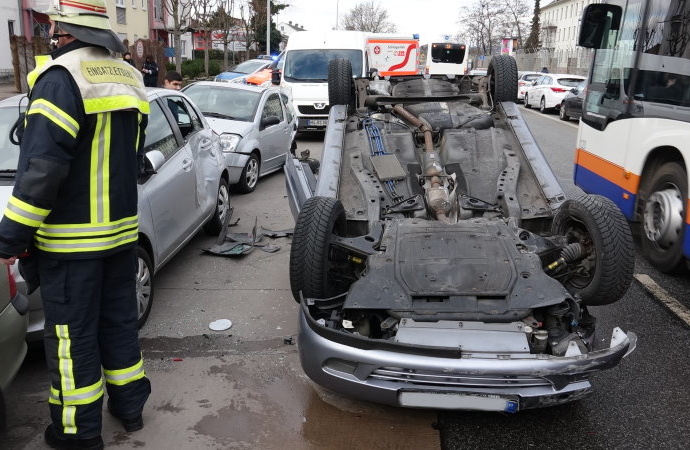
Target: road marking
550, 117
664, 297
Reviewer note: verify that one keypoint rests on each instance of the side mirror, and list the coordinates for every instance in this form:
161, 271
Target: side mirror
597, 20
269, 121
275, 76
154, 160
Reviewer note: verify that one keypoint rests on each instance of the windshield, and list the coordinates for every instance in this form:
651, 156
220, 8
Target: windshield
223, 101
312, 65
249, 66
447, 53
570, 82
9, 153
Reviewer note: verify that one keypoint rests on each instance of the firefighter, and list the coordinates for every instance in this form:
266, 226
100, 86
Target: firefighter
74, 209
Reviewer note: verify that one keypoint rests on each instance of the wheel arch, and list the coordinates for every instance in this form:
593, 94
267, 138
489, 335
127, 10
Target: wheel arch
145, 243
655, 159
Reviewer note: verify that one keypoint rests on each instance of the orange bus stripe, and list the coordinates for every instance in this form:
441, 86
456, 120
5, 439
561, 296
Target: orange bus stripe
607, 170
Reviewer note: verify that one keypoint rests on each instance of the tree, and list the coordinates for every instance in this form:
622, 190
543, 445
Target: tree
517, 11
224, 24
532, 43
203, 12
258, 23
179, 11
484, 22
369, 16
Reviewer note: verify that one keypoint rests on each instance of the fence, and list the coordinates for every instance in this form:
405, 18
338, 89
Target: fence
574, 61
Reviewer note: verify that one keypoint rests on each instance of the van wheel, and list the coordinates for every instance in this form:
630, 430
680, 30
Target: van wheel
341, 86
503, 78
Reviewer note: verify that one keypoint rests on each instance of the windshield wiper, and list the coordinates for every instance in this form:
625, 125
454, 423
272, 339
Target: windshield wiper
218, 115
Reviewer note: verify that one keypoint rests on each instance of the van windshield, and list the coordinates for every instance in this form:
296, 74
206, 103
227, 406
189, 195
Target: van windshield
312, 65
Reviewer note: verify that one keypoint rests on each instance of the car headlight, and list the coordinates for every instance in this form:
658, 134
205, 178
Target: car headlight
229, 142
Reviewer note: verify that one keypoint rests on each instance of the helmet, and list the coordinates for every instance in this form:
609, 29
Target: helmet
86, 20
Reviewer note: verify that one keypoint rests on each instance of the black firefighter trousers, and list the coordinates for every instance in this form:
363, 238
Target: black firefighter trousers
91, 339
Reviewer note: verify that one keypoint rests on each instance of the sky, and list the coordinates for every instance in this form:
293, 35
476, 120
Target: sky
431, 19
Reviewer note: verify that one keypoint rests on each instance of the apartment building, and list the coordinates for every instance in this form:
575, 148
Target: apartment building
560, 23
10, 25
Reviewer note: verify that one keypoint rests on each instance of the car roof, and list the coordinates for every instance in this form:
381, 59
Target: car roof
240, 86
14, 100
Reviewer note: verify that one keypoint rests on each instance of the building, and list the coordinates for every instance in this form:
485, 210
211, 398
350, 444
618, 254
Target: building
560, 23
10, 25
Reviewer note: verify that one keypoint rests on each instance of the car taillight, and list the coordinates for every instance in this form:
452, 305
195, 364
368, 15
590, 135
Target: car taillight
521, 83
560, 90
12, 283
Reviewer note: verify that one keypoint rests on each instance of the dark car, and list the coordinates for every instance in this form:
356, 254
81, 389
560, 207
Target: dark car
435, 257
571, 106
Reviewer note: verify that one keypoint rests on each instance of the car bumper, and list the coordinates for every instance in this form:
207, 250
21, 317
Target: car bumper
12, 340
413, 378
235, 163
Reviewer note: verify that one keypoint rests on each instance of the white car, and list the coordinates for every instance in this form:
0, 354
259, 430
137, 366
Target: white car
548, 90
525, 80
256, 125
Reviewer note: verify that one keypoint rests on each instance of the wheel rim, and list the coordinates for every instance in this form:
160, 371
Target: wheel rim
252, 172
223, 202
663, 217
561, 112
542, 105
143, 287
526, 100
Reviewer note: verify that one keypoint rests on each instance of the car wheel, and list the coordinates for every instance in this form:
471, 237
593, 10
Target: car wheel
223, 208
663, 226
527, 102
312, 270
144, 286
250, 175
542, 106
602, 273
561, 112
503, 77
341, 87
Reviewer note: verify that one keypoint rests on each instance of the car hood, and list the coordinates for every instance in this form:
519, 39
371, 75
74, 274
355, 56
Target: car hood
221, 126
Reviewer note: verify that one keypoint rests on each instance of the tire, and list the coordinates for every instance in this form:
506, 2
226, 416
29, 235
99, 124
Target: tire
561, 113
311, 270
215, 223
663, 226
250, 175
605, 274
542, 106
527, 106
503, 78
341, 86
145, 286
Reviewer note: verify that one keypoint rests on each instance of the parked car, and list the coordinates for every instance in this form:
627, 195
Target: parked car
185, 189
435, 257
525, 79
243, 69
264, 77
571, 105
13, 322
548, 90
256, 126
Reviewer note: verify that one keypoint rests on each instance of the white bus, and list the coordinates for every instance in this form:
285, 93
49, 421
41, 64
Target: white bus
442, 58
633, 143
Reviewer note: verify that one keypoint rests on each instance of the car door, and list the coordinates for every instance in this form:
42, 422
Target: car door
274, 139
171, 191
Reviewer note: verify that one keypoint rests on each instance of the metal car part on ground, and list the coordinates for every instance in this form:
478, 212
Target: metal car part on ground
436, 259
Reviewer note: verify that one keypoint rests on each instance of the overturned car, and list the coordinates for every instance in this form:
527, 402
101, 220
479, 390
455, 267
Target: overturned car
435, 257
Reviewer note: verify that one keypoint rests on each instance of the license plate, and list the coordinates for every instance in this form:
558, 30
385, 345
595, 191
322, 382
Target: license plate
454, 400
317, 123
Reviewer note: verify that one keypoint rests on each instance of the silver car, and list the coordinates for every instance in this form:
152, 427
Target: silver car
185, 189
256, 126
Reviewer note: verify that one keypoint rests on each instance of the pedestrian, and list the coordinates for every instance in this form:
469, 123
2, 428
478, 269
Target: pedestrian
127, 57
544, 69
172, 80
74, 209
150, 71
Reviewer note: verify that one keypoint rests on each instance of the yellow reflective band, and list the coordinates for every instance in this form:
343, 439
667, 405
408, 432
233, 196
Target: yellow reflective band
24, 213
55, 115
136, 146
54, 396
105, 172
97, 162
41, 60
84, 245
120, 377
88, 229
81, 396
109, 71
69, 414
64, 357
114, 103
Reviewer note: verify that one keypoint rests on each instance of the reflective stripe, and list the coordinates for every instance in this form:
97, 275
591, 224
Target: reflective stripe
78, 245
66, 377
81, 396
121, 377
115, 102
41, 62
24, 213
136, 146
98, 166
87, 229
69, 415
54, 114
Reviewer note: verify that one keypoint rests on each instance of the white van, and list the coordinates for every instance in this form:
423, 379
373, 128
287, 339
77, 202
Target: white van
307, 56
442, 58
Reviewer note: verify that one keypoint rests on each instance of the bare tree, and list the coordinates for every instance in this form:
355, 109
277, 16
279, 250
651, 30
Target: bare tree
485, 21
225, 25
247, 14
179, 11
202, 17
517, 11
369, 16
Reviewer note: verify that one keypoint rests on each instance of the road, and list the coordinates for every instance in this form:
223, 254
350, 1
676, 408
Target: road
244, 388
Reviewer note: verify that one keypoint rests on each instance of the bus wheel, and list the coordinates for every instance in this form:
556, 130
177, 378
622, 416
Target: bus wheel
341, 87
663, 224
602, 270
502, 72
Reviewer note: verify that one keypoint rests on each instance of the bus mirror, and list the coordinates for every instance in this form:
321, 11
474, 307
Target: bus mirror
597, 20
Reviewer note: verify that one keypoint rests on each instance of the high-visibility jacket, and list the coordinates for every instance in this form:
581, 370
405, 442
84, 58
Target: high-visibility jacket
75, 192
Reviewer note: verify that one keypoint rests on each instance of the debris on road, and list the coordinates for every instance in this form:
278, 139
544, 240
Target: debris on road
220, 325
239, 244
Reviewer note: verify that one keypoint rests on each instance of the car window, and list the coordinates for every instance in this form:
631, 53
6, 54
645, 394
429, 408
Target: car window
272, 108
530, 77
250, 66
540, 80
547, 80
570, 82
159, 133
184, 115
288, 113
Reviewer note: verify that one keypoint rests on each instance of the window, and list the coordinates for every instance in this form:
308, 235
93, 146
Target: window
272, 108
159, 133
121, 15
10, 27
288, 113
184, 114
134, 4
143, 4
120, 3
158, 10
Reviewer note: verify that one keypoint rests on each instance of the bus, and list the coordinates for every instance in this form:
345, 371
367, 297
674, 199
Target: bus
633, 141
442, 58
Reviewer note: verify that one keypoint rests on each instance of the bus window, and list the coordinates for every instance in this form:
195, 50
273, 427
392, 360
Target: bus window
447, 53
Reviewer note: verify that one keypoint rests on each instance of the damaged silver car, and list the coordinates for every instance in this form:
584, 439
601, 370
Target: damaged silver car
435, 257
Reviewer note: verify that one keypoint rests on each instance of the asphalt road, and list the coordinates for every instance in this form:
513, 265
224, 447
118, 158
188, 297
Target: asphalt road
244, 389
